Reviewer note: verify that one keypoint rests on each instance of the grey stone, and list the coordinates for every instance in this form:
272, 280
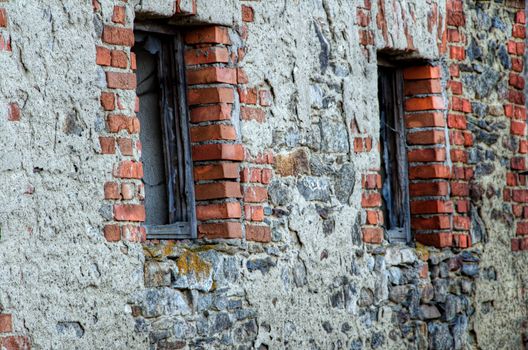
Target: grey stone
314, 188
262, 265
366, 297
157, 274
470, 270
280, 192
377, 340
356, 344
344, 183
334, 137
427, 293
71, 329
450, 308
398, 294
221, 322
429, 312
441, 289
439, 337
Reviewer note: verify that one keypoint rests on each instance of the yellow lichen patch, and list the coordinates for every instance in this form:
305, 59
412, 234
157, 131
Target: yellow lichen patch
422, 251
168, 249
190, 262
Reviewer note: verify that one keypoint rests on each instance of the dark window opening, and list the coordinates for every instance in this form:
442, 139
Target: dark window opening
164, 135
395, 189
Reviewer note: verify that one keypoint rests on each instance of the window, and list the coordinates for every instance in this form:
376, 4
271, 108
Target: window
395, 187
164, 135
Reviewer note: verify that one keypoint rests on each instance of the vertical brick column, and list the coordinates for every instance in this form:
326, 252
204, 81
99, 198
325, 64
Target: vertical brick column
429, 171
217, 153
120, 139
371, 202
460, 138
516, 178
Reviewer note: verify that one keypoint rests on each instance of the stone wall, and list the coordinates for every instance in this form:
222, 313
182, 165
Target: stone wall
285, 130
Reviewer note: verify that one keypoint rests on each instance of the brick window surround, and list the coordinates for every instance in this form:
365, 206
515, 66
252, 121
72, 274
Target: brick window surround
230, 182
437, 180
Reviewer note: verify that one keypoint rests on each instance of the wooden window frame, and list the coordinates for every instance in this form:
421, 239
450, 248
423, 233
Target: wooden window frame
394, 164
176, 136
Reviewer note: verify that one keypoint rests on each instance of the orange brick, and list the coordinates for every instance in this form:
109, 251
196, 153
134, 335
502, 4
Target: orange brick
229, 230
231, 210
431, 207
6, 323
112, 233
116, 123
129, 212
210, 95
211, 113
438, 240
206, 55
208, 35
422, 72
103, 56
420, 189
440, 222
255, 194
108, 101
218, 152
213, 132
424, 103
211, 75
258, 233
216, 171
427, 137
429, 172
107, 145
419, 87
124, 81
373, 235
119, 59
119, 15
118, 36
128, 169
427, 155
217, 190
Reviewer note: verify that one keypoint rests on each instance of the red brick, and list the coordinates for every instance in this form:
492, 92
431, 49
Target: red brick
118, 36
6, 323
267, 175
111, 190
209, 75
517, 64
421, 189
518, 163
455, 87
427, 155
265, 98
424, 103
519, 31
217, 190
116, 123
248, 15
129, 169
208, 35
211, 113
107, 145
231, 210
126, 146
370, 200
250, 113
431, 207
216, 171
462, 222
422, 72
133, 233
3, 18
213, 132
520, 196
520, 17
248, 96
210, 95
206, 55
374, 217
15, 343
128, 190
518, 128
516, 80
103, 56
108, 101
430, 172
112, 233
439, 222
124, 81
119, 59
133, 61
422, 120
129, 212
371, 181
438, 240
242, 77
428, 137
255, 194
248, 175
254, 213
362, 18
218, 152
229, 230
119, 15
366, 37
419, 87
459, 189
457, 53
373, 235
13, 112
522, 228
457, 121
256, 233
516, 97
